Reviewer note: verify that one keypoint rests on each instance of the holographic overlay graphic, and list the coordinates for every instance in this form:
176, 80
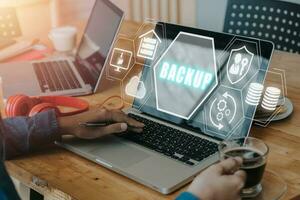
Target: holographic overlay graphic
271, 98
187, 67
254, 94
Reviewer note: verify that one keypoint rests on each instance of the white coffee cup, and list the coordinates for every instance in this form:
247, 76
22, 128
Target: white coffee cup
63, 38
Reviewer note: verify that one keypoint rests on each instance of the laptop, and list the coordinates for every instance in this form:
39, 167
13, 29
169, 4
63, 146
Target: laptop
78, 75
173, 149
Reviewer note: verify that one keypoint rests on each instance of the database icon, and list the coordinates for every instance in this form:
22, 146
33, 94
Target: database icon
254, 94
148, 45
271, 98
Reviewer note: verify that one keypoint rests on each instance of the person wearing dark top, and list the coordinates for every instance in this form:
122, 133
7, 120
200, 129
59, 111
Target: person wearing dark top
22, 135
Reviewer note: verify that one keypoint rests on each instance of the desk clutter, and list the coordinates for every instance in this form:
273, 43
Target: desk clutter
13, 51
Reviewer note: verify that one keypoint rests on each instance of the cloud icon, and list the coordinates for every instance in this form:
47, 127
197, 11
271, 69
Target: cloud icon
136, 88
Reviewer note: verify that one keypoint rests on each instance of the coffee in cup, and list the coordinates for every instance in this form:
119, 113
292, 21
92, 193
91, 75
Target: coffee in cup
254, 153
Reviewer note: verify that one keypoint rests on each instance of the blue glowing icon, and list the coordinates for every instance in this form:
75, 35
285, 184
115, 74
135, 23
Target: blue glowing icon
185, 75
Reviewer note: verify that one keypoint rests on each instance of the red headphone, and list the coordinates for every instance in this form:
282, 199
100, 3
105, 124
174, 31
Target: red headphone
21, 105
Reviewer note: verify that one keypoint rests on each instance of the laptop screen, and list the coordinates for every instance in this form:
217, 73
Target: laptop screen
97, 40
205, 81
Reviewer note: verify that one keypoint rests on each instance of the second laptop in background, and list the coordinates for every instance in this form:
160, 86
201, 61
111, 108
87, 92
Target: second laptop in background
73, 76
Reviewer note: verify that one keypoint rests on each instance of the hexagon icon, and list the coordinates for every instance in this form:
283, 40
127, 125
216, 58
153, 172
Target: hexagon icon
185, 75
223, 111
149, 43
121, 59
137, 71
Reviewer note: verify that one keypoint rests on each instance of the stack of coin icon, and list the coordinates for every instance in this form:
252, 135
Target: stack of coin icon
254, 94
271, 98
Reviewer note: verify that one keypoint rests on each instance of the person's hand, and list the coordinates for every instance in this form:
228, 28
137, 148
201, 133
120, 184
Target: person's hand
222, 181
116, 120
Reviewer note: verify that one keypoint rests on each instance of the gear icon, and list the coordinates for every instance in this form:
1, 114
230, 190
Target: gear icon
227, 112
222, 105
220, 116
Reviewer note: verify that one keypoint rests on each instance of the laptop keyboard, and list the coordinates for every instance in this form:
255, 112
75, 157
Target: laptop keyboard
171, 142
55, 76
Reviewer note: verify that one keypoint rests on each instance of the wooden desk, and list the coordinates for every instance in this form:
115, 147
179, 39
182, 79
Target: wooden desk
60, 174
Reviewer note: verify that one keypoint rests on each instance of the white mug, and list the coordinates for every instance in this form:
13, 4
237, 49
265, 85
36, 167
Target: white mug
63, 38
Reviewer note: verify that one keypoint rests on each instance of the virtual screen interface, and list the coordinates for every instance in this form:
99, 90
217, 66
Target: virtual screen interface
98, 37
204, 81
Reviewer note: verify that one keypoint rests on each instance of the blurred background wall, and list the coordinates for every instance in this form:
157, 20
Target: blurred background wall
36, 16
207, 14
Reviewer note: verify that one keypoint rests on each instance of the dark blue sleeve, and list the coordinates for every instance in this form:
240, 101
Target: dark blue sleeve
25, 134
7, 188
3, 195
187, 196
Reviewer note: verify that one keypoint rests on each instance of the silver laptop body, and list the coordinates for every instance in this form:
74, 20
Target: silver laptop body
152, 169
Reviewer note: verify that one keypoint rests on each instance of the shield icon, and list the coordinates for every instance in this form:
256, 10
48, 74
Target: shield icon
238, 64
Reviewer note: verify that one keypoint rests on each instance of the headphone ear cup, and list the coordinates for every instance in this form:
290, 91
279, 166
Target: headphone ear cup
18, 105
44, 107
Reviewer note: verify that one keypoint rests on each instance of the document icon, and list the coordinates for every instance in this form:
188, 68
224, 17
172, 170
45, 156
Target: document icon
148, 45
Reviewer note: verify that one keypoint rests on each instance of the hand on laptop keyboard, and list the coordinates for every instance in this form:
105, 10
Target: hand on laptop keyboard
116, 121
171, 142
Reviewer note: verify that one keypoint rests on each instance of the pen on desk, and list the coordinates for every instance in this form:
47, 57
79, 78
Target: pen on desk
93, 124
96, 124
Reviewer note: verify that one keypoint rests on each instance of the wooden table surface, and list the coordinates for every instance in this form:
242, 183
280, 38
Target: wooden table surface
60, 174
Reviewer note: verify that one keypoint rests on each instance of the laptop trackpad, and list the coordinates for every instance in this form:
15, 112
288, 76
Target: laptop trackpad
118, 153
